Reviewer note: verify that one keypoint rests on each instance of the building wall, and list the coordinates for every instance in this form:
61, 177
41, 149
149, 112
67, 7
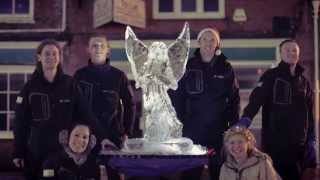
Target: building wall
79, 27
47, 14
258, 25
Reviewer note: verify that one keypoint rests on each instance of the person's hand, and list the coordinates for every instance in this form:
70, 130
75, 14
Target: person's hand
124, 138
243, 122
107, 145
309, 159
103, 172
18, 162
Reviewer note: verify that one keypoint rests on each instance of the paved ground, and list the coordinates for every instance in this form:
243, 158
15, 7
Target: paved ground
309, 175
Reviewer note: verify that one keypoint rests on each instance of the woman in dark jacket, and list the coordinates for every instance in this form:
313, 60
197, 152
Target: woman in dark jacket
49, 102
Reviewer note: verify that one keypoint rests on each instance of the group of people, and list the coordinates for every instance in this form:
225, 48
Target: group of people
207, 103
60, 119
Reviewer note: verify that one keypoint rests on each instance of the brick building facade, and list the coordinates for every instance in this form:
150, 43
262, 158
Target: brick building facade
251, 45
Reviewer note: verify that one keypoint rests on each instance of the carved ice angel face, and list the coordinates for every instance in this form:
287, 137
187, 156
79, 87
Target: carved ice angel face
159, 52
158, 59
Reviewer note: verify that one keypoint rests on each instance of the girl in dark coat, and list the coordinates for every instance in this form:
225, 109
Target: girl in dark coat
75, 162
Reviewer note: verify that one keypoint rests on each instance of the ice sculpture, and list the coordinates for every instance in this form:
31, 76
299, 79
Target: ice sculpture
156, 69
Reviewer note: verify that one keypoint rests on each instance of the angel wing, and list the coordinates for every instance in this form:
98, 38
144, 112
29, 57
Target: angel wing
178, 53
137, 53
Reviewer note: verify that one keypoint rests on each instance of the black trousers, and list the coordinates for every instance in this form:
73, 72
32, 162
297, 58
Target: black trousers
288, 162
112, 174
288, 171
32, 167
215, 163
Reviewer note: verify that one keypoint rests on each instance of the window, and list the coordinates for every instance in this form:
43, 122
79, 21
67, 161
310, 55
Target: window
188, 9
16, 11
12, 79
17, 61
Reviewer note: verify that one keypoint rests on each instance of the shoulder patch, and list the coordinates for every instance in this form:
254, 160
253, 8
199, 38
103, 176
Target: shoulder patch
48, 173
19, 99
218, 76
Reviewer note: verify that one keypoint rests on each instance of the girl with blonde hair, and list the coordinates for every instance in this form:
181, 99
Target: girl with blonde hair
243, 160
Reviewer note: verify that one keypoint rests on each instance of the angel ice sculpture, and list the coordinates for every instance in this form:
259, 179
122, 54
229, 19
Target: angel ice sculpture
156, 69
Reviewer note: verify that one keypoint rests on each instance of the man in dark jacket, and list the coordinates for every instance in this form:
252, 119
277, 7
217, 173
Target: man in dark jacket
108, 91
207, 98
288, 134
50, 101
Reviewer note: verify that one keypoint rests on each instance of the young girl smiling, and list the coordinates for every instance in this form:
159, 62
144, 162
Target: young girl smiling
75, 161
243, 161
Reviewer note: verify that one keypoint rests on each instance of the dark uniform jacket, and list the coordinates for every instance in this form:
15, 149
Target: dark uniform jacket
43, 110
207, 100
60, 166
111, 98
286, 102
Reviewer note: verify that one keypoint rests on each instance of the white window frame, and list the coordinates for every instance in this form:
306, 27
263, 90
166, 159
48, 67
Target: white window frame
252, 43
11, 70
198, 14
16, 69
19, 18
